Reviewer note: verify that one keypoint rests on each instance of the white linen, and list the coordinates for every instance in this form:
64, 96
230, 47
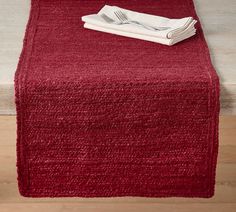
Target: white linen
180, 29
164, 41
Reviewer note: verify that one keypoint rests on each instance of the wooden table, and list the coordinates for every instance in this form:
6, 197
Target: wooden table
218, 18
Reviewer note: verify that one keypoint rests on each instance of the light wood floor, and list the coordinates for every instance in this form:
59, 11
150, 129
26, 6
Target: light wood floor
224, 199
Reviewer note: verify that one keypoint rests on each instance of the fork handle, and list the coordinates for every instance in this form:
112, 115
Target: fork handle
148, 27
143, 25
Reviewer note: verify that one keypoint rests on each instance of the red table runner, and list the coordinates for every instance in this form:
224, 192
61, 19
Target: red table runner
100, 115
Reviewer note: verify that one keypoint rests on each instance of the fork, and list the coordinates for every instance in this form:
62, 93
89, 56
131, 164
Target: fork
111, 21
125, 20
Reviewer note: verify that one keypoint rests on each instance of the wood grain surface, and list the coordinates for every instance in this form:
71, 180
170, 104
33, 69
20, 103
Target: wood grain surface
224, 199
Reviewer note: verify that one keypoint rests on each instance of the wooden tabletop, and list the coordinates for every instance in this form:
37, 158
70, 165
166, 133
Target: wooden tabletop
224, 199
217, 17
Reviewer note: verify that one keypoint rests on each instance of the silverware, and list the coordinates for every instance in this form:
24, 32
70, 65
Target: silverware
125, 20
109, 20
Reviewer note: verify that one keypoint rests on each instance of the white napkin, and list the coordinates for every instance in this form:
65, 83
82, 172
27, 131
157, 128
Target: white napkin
180, 29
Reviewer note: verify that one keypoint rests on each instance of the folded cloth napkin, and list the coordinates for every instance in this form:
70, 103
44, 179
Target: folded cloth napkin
178, 29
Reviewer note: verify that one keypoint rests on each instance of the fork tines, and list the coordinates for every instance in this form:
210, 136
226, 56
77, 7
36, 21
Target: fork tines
120, 15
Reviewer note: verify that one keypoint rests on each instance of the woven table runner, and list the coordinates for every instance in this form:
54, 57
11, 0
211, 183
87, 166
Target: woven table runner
100, 115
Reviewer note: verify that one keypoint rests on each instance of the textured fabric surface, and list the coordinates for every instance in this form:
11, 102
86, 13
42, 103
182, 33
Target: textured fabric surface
101, 115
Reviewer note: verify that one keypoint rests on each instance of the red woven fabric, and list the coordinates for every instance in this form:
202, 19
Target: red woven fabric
105, 115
